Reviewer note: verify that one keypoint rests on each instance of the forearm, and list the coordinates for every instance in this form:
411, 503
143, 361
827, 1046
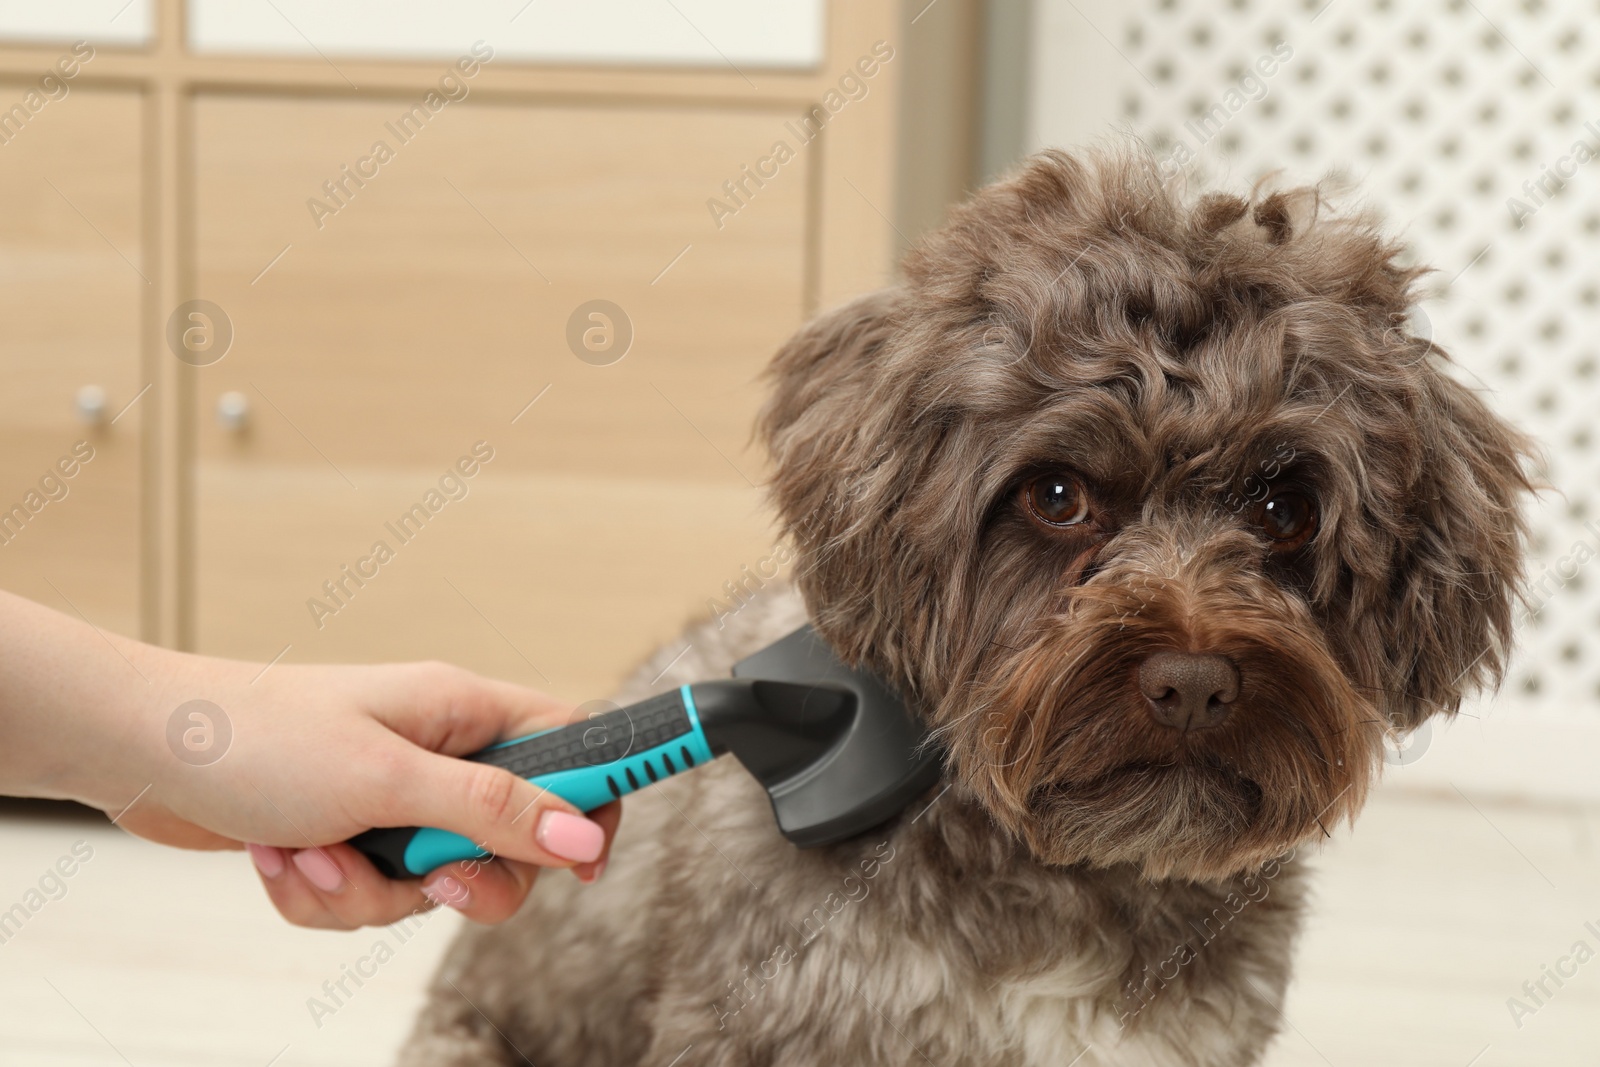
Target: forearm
79, 708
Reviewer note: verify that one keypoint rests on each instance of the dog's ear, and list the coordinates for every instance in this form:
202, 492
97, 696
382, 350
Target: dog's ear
1458, 580
826, 410
830, 352
821, 402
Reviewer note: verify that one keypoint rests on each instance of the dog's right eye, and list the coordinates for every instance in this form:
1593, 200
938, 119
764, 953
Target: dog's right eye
1288, 519
1057, 499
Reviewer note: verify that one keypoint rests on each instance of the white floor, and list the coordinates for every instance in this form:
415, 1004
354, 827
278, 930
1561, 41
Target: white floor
1429, 916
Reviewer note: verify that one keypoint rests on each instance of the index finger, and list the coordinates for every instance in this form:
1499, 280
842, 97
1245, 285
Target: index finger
455, 712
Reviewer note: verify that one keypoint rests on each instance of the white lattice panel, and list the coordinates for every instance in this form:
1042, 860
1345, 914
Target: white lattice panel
1442, 110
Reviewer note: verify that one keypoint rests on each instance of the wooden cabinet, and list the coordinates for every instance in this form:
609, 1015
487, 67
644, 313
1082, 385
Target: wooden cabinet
412, 286
72, 260
427, 315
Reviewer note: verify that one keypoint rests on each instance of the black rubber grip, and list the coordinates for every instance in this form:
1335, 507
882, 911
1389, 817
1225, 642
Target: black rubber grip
605, 738
386, 848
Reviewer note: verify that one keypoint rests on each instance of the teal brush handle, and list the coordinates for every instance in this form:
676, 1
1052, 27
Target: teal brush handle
587, 763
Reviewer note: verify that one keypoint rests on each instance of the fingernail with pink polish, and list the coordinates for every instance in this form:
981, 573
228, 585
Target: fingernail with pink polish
572, 837
319, 870
268, 860
450, 892
595, 872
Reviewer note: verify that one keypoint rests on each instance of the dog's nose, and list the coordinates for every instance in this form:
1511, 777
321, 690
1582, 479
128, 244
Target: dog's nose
1188, 691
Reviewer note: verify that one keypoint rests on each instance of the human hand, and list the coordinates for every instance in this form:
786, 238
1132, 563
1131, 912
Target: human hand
313, 756
321, 753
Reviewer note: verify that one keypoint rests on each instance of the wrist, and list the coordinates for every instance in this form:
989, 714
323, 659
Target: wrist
83, 713
114, 740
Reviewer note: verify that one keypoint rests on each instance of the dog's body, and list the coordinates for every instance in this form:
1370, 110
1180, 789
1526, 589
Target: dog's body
1159, 518
931, 938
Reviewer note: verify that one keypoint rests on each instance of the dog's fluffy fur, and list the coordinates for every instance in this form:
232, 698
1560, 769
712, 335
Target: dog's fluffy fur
1084, 877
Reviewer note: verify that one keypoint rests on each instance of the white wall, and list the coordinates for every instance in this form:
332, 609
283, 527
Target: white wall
100, 22
773, 33
712, 33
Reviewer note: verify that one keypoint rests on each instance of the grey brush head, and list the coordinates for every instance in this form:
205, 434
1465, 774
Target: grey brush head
836, 749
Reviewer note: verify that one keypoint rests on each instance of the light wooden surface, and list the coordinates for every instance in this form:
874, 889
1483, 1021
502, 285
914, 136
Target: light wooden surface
70, 250
1428, 916
425, 317
427, 312
166, 959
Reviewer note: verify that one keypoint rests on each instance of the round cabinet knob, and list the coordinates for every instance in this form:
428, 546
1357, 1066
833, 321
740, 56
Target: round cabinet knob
233, 411
91, 404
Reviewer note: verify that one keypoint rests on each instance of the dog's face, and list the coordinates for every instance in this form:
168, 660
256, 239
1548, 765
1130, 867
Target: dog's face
1155, 509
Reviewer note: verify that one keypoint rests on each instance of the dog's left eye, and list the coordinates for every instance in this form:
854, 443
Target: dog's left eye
1288, 518
1057, 499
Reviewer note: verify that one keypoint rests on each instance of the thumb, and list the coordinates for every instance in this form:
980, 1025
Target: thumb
498, 811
